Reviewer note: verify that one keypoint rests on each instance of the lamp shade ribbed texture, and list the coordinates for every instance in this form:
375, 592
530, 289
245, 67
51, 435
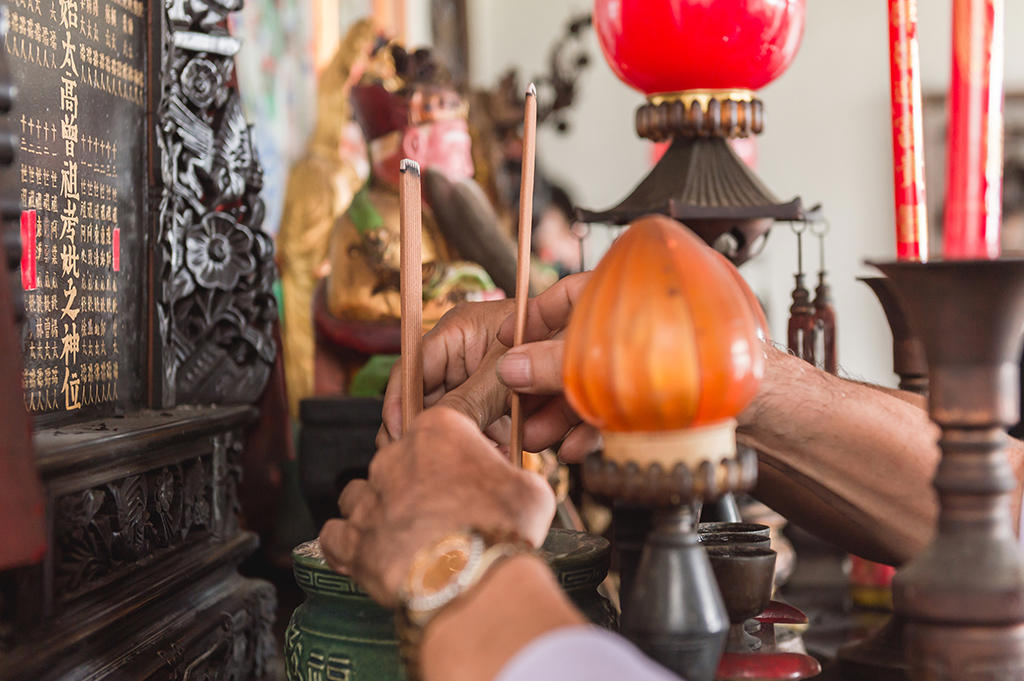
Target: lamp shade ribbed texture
664, 336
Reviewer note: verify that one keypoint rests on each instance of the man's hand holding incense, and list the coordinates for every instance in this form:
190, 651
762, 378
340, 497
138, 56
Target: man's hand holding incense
468, 366
459, 355
535, 368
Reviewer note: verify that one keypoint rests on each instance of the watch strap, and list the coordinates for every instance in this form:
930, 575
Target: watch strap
410, 624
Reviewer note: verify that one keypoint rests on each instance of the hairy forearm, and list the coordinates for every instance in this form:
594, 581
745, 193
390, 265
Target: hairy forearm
475, 637
845, 460
851, 461
919, 401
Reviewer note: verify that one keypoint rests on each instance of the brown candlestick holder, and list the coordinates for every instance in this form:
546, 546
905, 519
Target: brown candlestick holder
880, 656
962, 598
908, 358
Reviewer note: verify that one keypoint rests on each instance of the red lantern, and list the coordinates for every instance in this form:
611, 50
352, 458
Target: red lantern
674, 45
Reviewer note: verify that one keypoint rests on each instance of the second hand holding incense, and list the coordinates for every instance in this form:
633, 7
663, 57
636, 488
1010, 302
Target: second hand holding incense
523, 260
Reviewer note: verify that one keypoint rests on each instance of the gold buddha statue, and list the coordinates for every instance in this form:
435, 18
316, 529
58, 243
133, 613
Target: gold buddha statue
411, 110
321, 185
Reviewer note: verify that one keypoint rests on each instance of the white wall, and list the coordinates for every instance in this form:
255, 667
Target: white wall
827, 139
417, 22
601, 157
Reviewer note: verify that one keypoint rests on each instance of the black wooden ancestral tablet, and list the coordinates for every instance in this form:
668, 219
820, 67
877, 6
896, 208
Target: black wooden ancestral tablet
80, 112
88, 149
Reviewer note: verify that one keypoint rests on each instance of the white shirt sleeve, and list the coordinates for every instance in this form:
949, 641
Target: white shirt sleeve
584, 653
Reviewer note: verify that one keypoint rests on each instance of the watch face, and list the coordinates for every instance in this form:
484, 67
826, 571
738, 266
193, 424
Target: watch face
437, 568
443, 570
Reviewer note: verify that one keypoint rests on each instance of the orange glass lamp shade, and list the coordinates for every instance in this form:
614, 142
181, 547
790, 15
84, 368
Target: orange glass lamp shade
755, 305
662, 351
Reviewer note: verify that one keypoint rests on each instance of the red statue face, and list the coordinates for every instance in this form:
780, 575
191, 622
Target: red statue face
443, 145
429, 126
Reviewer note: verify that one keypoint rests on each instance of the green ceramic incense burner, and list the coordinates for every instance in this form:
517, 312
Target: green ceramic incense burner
340, 633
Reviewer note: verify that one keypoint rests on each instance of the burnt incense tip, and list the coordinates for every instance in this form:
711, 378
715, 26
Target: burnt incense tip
531, 90
410, 165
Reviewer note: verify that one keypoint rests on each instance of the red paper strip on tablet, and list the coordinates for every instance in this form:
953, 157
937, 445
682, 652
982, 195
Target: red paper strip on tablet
28, 250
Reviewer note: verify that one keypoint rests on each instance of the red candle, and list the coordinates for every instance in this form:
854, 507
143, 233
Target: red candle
907, 135
975, 144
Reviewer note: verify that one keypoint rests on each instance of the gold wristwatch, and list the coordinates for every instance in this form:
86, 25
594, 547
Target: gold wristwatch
442, 572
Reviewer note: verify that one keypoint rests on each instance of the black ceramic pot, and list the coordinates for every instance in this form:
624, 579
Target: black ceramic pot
337, 440
726, 540
744, 574
757, 529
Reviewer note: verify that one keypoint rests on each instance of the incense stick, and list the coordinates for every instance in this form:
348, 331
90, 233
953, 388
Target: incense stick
523, 260
411, 284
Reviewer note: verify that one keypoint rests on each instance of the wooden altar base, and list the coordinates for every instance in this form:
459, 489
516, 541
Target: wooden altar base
140, 578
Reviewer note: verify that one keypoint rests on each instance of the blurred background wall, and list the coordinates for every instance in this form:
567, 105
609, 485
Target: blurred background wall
827, 137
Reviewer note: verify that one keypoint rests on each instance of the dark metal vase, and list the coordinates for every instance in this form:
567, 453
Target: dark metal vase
723, 510
630, 527
963, 597
671, 606
675, 612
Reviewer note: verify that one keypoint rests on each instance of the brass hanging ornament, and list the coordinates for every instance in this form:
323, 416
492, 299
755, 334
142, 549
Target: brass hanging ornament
801, 330
824, 312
